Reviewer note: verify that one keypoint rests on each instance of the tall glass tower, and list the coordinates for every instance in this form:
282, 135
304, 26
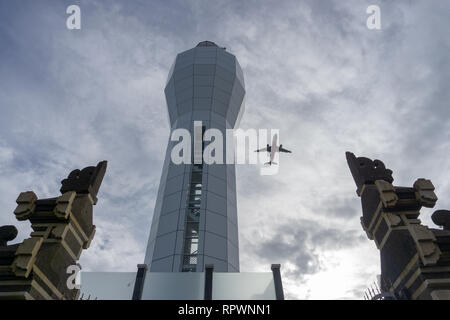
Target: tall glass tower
195, 216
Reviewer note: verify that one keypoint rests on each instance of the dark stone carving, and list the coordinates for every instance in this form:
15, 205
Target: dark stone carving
7, 233
62, 227
366, 171
87, 180
414, 258
442, 218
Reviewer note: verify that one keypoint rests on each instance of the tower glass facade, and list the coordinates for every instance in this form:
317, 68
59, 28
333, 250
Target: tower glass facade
195, 216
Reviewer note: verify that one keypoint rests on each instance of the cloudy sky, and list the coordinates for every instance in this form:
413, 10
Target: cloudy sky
71, 98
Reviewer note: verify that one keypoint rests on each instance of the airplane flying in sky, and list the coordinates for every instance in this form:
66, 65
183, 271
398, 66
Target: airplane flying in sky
273, 149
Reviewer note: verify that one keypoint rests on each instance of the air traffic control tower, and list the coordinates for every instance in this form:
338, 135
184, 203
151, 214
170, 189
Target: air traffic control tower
193, 248
195, 217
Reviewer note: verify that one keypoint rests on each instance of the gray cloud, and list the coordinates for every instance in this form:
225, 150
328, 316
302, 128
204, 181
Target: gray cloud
300, 243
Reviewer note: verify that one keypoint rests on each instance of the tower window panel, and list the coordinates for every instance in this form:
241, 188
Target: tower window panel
193, 217
191, 246
196, 178
191, 229
195, 198
191, 240
190, 261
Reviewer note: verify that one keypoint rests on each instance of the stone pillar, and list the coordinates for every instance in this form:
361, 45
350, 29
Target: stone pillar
414, 258
40, 266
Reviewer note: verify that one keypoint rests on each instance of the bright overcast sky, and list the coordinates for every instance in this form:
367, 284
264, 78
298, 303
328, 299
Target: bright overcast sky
313, 70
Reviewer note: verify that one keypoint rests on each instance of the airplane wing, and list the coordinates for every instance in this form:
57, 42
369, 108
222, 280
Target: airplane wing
284, 150
264, 149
